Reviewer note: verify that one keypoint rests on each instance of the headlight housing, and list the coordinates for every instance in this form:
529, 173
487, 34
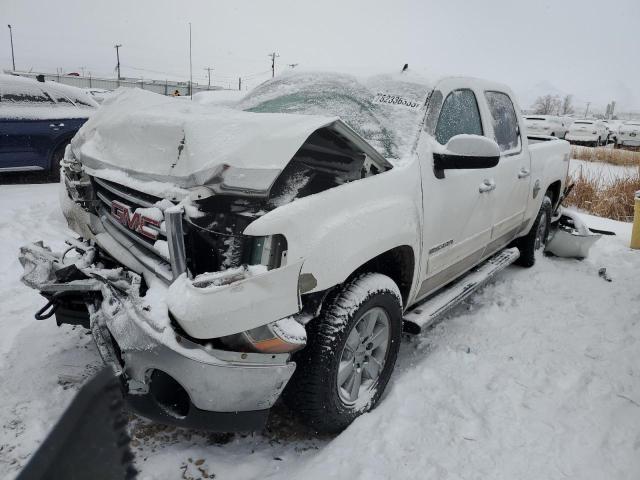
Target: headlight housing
282, 336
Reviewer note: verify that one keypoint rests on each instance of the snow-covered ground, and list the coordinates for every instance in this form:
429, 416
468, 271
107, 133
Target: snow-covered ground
537, 377
607, 172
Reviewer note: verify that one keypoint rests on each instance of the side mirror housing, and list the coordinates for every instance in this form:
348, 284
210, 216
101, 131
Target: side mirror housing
465, 152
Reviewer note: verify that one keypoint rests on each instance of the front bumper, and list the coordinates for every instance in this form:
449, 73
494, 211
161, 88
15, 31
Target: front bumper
166, 376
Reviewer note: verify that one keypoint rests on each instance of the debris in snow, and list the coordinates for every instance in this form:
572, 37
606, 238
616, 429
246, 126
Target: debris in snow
602, 273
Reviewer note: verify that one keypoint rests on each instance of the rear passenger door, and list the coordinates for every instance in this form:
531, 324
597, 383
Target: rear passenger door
513, 173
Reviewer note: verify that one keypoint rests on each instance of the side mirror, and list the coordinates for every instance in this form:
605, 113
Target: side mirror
466, 151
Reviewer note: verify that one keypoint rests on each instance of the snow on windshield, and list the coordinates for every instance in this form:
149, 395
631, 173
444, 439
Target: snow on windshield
386, 110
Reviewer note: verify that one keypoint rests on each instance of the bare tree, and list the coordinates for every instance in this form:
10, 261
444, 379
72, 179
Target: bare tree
547, 105
567, 105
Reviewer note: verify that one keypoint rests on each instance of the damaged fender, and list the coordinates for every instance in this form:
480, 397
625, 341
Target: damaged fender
207, 310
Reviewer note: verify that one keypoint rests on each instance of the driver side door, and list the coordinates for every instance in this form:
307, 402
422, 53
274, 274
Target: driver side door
458, 204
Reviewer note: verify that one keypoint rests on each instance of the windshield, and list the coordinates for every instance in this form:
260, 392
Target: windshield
386, 110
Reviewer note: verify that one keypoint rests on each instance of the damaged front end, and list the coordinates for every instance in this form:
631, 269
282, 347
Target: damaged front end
166, 376
198, 319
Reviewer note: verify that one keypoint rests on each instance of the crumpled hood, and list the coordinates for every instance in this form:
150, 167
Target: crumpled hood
153, 137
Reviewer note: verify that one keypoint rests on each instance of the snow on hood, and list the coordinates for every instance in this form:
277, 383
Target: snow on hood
153, 137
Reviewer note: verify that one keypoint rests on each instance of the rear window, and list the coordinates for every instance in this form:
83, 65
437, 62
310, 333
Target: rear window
505, 120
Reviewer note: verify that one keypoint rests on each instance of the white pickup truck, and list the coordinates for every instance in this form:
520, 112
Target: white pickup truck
228, 255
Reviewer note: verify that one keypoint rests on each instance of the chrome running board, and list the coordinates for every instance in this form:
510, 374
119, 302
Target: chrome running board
429, 311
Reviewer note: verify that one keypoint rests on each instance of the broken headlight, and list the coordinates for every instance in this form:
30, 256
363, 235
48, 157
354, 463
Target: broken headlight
282, 336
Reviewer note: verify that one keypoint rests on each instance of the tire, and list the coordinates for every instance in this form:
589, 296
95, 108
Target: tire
533, 243
56, 158
313, 392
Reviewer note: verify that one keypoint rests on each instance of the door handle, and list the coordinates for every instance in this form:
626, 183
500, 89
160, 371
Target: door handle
487, 186
524, 173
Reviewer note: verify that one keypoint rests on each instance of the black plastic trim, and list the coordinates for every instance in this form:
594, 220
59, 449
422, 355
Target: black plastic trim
248, 421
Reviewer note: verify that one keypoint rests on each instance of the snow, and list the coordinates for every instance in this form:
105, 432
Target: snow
536, 377
158, 138
605, 172
219, 97
43, 101
386, 110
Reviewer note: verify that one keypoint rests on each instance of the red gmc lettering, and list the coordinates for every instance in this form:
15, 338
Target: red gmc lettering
133, 220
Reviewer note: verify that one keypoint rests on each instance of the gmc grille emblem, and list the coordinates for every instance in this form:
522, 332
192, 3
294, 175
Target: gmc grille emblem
134, 220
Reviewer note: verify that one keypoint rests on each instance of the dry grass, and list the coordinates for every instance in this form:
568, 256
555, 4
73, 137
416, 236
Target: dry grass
610, 198
606, 155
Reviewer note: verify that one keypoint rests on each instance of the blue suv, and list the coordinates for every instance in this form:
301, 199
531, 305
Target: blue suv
37, 121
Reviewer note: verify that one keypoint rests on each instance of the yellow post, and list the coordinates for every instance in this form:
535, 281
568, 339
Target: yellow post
635, 232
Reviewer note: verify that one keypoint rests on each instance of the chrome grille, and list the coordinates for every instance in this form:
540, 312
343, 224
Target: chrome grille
167, 254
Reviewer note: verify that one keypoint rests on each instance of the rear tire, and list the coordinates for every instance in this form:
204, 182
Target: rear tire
532, 244
343, 371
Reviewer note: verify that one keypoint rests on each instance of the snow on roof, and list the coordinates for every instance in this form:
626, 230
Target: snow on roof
24, 98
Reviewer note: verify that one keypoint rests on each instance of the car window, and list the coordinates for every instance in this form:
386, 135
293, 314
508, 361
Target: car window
459, 114
25, 95
505, 120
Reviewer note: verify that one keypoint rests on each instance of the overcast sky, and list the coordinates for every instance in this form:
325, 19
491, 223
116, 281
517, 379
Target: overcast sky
588, 48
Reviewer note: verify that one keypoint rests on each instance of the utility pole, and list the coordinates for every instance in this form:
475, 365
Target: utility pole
190, 66
273, 63
293, 65
208, 69
117, 47
13, 60
239, 83
586, 114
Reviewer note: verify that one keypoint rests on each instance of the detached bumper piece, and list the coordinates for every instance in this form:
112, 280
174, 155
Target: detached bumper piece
570, 237
166, 377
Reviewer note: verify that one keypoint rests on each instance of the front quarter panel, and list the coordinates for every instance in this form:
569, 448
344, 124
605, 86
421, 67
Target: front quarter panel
336, 231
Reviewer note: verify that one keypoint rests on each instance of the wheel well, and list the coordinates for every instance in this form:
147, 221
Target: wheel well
398, 264
554, 192
60, 144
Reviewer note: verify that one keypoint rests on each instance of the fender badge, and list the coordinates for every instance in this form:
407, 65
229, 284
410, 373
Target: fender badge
536, 188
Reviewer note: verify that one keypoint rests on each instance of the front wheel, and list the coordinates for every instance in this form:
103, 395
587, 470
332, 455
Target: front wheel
532, 245
351, 354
